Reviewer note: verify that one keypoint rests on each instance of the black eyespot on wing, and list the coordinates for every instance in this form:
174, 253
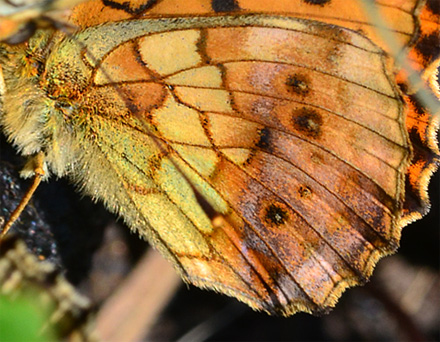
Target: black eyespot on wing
275, 215
298, 84
304, 191
308, 122
317, 2
225, 5
264, 142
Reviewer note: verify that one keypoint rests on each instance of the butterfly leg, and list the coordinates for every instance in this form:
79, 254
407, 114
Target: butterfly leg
38, 163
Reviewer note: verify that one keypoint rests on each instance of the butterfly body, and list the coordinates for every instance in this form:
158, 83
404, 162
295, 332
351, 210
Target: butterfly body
258, 152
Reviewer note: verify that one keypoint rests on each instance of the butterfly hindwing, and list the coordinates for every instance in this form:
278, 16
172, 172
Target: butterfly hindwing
263, 152
247, 119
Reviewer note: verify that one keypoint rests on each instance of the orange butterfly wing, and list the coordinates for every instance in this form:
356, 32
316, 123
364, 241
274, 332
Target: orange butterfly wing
274, 261
348, 14
422, 126
293, 144
414, 23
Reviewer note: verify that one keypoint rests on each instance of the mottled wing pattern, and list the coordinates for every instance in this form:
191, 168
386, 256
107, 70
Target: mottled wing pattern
413, 23
422, 126
265, 153
295, 149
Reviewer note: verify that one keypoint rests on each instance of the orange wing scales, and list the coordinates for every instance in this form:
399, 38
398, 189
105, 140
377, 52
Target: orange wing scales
271, 158
421, 125
285, 237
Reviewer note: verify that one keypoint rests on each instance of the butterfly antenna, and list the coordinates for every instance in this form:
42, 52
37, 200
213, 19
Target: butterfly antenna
61, 25
39, 173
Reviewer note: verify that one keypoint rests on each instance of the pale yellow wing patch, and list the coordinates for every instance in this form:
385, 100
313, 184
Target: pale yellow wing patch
178, 51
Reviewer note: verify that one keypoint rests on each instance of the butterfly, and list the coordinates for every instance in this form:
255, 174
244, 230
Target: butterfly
273, 155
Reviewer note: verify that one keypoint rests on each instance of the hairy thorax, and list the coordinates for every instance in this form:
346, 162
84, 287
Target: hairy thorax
45, 103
